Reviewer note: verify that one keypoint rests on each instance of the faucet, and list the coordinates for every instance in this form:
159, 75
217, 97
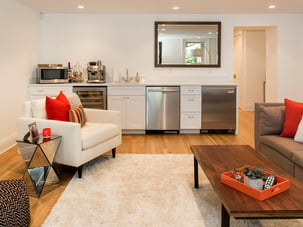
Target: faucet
127, 79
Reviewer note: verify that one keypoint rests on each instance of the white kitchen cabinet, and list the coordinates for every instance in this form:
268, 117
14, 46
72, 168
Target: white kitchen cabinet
130, 101
40, 91
190, 108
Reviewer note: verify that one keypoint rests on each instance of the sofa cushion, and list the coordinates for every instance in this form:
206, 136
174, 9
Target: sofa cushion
283, 145
298, 157
74, 99
272, 119
293, 115
95, 133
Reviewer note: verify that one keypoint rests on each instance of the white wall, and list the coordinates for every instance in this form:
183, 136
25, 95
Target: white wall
127, 41
19, 53
120, 41
290, 58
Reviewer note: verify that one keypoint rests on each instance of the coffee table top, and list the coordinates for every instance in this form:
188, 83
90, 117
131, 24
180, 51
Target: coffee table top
216, 159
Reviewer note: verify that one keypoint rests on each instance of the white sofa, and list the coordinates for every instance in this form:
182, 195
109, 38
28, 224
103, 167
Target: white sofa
79, 145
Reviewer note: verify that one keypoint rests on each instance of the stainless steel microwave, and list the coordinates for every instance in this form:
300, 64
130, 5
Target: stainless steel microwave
52, 74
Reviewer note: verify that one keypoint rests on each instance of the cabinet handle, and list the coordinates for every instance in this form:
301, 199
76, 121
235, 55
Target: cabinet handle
191, 100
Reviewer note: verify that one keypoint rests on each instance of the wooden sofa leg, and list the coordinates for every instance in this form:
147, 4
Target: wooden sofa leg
114, 152
80, 168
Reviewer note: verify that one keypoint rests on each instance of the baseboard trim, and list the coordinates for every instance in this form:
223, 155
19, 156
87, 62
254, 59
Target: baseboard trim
7, 143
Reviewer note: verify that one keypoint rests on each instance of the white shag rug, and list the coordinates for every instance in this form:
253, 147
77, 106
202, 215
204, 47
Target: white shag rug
143, 190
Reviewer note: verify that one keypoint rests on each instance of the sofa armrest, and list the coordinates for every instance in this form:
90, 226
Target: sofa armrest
269, 120
104, 116
68, 153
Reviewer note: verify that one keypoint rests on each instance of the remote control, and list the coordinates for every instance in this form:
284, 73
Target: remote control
270, 181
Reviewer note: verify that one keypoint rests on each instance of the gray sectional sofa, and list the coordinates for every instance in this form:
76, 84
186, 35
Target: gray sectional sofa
285, 152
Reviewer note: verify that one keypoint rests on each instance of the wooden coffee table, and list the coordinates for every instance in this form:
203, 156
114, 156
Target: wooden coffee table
216, 159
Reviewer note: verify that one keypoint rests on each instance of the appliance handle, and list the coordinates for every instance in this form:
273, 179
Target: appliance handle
162, 90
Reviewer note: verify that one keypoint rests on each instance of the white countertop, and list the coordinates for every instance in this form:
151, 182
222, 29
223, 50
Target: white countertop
118, 84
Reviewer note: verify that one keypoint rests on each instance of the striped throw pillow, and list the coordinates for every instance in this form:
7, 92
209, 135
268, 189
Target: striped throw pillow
77, 115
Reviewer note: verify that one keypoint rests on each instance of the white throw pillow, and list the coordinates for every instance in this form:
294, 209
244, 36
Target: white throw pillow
38, 108
299, 134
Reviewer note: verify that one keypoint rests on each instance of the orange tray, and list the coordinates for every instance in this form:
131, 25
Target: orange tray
281, 186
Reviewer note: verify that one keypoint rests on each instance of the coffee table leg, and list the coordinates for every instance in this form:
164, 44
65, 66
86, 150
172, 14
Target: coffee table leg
196, 174
224, 217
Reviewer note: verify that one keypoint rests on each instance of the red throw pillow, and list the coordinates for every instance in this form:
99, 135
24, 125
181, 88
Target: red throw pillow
58, 108
293, 116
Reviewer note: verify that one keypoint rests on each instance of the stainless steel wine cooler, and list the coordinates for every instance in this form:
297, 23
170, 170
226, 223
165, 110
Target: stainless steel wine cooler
92, 96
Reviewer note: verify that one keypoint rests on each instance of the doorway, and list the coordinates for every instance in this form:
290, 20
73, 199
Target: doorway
250, 62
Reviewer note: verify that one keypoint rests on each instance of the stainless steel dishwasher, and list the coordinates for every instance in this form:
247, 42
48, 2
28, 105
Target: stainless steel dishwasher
162, 109
219, 109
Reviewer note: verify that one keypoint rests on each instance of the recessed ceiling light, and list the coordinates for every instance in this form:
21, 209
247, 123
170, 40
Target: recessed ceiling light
80, 7
176, 8
271, 6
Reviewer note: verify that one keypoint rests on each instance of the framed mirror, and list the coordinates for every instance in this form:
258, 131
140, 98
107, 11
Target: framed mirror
187, 44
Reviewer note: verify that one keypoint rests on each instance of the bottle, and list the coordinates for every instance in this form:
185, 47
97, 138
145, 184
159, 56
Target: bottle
69, 72
137, 78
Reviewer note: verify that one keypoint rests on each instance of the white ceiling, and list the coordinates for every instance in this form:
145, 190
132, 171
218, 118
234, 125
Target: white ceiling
165, 6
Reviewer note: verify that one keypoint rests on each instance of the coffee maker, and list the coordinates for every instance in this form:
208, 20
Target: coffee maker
95, 72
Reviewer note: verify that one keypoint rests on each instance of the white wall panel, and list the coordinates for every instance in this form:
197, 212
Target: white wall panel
19, 53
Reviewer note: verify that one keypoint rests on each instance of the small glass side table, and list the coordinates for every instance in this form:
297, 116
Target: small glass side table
38, 157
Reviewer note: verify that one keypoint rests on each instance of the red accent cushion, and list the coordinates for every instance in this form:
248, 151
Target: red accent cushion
58, 108
293, 116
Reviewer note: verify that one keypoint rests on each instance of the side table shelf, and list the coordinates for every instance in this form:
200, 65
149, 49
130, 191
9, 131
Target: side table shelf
38, 157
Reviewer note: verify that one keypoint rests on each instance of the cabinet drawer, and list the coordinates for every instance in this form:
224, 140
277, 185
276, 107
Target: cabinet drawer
127, 90
190, 121
49, 91
190, 90
190, 103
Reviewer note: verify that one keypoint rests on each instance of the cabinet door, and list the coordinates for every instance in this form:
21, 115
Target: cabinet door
118, 103
190, 103
36, 92
135, 112
190, 120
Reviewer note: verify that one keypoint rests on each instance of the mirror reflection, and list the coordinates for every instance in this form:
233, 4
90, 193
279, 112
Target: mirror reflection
187, 44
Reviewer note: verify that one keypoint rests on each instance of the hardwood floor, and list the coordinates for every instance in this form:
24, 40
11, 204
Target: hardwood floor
12, 166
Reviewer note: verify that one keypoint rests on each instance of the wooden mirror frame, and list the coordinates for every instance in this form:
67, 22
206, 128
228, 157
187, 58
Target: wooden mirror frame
157, 59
